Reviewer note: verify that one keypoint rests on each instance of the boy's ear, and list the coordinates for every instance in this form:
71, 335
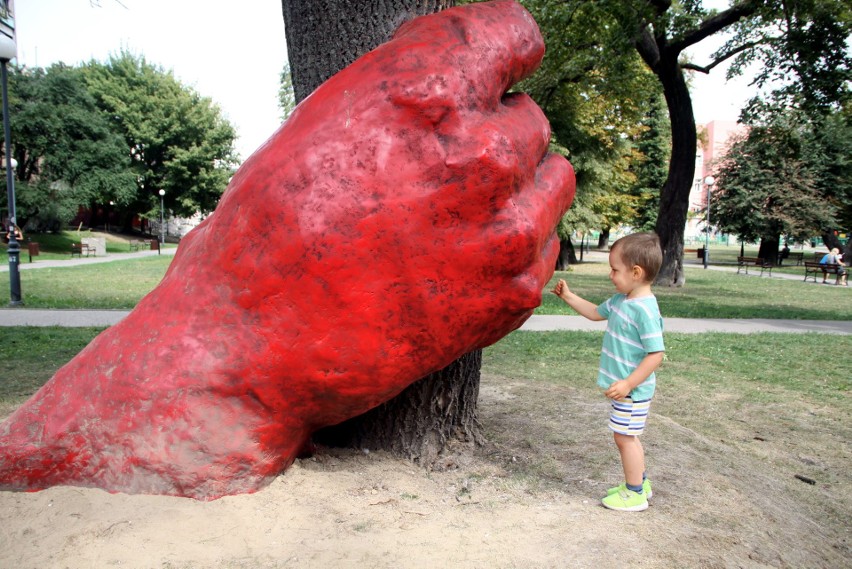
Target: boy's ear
638, 273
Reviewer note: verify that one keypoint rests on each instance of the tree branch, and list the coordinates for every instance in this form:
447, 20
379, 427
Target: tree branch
715, 23
706, 68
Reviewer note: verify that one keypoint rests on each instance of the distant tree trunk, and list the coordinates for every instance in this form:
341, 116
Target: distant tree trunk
567, 255
769, 247
831, 241
323, 37
603, 239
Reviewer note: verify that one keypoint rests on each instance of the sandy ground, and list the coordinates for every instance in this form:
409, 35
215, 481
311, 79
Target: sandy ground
530, 498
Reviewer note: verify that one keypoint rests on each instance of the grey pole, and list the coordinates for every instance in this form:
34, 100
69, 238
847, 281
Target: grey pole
14, 249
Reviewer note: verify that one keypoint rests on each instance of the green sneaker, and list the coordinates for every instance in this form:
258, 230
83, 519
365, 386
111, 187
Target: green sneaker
626, 501
646, 489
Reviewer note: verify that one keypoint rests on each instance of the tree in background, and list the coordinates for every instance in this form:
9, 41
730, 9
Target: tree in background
654, 146
595, 106
832, 135
769, 186
774, 33
68, 155
178, 140
286, 95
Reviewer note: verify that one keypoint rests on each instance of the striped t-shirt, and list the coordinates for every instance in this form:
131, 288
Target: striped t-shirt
634, 329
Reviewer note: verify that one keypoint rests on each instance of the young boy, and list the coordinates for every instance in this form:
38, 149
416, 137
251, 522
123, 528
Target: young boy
632, 350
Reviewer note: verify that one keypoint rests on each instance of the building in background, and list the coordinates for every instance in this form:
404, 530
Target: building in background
716, 138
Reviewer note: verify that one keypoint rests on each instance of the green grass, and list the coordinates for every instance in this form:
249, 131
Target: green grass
715, 294
55, 246
752, 368
113, 285
30, 356
756, 366
707, 294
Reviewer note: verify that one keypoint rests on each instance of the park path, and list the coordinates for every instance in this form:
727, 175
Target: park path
537, 323
22, 316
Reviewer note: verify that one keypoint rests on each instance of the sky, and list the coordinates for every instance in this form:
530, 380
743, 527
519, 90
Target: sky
232, 52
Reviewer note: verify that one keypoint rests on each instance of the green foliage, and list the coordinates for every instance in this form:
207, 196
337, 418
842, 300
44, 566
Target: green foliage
286, 94
68, 156
654, 148
744, 296
177, 139
110, 136
769, 183
831, 155
593, 89
802, 46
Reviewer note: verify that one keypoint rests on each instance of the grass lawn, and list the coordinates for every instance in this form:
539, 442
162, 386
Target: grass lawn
114, 285
57, 246
715, 294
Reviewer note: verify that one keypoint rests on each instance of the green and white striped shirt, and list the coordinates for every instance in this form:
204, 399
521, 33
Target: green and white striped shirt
634, 329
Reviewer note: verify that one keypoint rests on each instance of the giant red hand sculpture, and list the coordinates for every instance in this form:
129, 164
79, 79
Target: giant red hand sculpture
403, 216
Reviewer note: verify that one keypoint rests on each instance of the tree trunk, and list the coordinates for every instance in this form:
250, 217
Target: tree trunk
769, 247
831, 240
323, 37
421, 420
603, 239
567, 255
674, 196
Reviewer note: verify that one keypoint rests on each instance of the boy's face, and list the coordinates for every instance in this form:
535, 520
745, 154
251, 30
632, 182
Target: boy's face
624, 277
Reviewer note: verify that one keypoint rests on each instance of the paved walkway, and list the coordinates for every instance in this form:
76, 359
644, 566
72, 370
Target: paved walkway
78, 318
76, 262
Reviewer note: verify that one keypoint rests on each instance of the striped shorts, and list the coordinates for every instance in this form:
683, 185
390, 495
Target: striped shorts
627, 417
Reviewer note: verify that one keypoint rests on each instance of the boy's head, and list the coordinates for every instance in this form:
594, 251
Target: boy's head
640, 250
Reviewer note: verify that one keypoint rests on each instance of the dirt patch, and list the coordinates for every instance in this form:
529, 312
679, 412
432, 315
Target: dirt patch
530, 498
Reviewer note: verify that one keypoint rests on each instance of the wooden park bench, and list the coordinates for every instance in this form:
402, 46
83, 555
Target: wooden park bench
81, 249
813, 268
137, 245
698, 252
743, 264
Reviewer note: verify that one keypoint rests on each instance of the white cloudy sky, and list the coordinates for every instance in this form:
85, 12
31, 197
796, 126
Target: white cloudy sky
230, 51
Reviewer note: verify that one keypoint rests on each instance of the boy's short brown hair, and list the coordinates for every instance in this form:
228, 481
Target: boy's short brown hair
643, 250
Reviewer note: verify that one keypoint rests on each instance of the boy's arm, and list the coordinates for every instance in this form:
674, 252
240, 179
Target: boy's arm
579, 304
621, 389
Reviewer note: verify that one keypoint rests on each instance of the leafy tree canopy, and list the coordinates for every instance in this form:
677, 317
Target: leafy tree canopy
178, 140
68, 156
772, 182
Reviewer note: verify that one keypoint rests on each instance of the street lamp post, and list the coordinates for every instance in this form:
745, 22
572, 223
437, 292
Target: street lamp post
708, 181
162, 226
14, 249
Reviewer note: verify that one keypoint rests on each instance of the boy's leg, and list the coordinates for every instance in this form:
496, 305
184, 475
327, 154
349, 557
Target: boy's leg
627, 421
632, 457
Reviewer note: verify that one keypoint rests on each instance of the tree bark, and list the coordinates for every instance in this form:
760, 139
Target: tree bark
769, 247
674, 196
567, 255
323, 37
603, 239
